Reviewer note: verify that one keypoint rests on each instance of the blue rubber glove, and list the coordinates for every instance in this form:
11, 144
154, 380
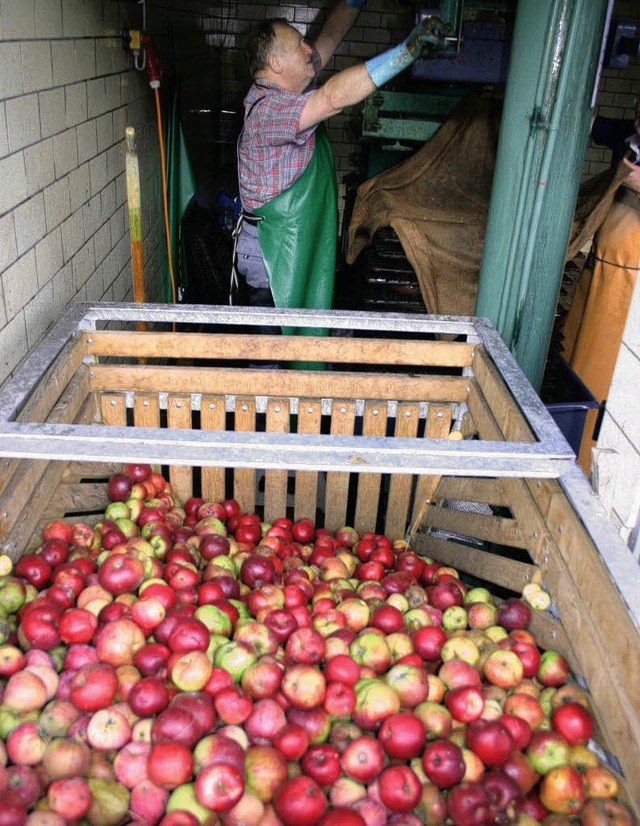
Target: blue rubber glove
387, 65
357, 4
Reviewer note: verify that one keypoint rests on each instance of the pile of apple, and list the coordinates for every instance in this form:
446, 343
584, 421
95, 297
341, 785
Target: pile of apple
192, 666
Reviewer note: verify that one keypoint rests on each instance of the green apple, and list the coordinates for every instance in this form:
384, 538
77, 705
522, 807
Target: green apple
234, 658
216, 620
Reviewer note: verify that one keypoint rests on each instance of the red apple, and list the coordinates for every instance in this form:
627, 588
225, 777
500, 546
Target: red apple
93, 687
232, 705
466, 703
304, 686
265, 769
491, 740
148, 697
291, 741
443, 763
468, 804
130, 765
402, 735
322, 763
305, 645
266, 719
553, 670
300, 801
219, 787
513, 613
399, 788
574, 722
169, 764
363, 759
562, 790
70, 797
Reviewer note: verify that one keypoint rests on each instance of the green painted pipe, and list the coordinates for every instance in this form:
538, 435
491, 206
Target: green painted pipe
543, 135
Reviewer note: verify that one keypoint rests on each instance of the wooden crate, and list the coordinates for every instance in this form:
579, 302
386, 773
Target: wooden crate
421, 427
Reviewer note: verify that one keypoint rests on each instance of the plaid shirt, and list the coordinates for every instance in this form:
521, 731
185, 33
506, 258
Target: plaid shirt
272, 154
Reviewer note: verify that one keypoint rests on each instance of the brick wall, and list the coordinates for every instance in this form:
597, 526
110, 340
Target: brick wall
66, 95
617, 91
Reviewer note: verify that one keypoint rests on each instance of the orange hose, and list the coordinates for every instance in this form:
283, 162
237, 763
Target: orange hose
164, 196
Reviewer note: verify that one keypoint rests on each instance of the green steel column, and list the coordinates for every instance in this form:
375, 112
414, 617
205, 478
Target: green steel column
545, 125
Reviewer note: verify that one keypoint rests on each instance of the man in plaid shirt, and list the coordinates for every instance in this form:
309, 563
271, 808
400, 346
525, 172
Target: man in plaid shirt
287, 235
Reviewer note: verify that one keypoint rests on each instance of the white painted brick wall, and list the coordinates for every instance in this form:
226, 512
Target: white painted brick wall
618, 453
67, 92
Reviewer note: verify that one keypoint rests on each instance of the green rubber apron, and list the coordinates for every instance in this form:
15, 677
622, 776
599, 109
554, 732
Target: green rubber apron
298, 238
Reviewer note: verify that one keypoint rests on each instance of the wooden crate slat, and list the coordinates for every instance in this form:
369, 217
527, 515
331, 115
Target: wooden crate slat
550, 634
484, 420
179, 417
369, 484
306, 490
113, 407
497, 529
54, 381
37, 481
213, 417
146, 413
590, 608
468, 489
437, 426
505, 410
75, 498
590, 611
76, 471
343, 415
39, 405
215, 346
507, 573
146, 410
400, 484
244, 479
289, 383
275, 481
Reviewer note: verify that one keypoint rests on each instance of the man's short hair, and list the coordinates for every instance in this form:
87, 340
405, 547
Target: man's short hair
260, 44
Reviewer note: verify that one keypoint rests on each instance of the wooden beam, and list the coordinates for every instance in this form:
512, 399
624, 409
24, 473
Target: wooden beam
290, 383
221, 346
499, 570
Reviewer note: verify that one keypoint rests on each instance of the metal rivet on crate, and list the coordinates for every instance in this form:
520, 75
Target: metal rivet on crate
376, 412
560, 528
277, 409
343, 410
212, 406
89, 341
309, 410
245, 407
552, 634
407, 414
545, 559
439, 414
178, 404
113, 402
145, 404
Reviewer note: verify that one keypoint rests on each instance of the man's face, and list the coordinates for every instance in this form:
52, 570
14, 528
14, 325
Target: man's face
294, 55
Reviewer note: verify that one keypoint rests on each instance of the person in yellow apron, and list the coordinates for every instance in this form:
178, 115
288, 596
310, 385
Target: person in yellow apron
595, 323
287, 235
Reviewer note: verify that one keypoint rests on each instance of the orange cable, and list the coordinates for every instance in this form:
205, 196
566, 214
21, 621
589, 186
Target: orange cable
164, 196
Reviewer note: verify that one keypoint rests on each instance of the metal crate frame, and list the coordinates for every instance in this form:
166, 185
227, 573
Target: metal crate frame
548, 457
